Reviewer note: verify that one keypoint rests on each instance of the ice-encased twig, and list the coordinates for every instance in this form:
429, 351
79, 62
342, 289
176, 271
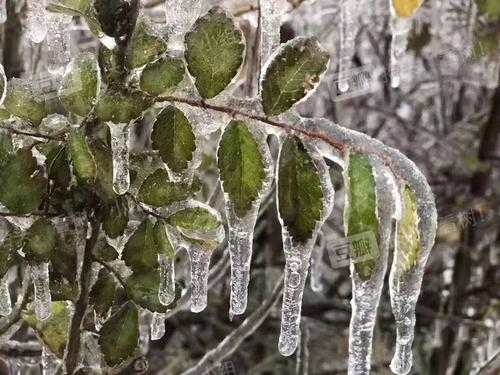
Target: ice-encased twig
119, 147
58, 42
36, 21
157, 326
366, 293
400, 29
349, 28
43, 300
166, 291
297, 256
5, 302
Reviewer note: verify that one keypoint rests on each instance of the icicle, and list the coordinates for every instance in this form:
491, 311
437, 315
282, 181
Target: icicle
166, 292
200, 263
348, 30
317, 267
58, 42
36, 20
119, 146
5, 302
400, 28
180, 16
43, 301
157, 326
366, 293
297, 258
50, 363
3, 11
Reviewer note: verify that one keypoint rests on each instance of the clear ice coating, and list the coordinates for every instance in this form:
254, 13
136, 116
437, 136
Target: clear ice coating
240, 240
36, 21
3, 11
180, 16
3, 77
349, 27
400, 29
366, 293
200, 264
317, 267
157, 326
271, 13
5, 302
166, 291
297, 256
58, 42
119, 147
43, 300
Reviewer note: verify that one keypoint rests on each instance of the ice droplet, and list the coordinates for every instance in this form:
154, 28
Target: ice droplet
3, 11
157, 326
5, 302
199, 263
36, 20
119, 146
297, 256
366, 293
58, 42
43, 300
166, 292
349, 27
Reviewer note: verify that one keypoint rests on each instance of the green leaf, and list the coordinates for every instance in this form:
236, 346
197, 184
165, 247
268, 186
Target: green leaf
173, 137
145, 45
120, 335
117, 17
300, 194
214, 52
54, 330
160, 76
241, 166
82, 8
57, 165
104, 161
293, 73
121, 108
5, 147
22, 190
22, 101
143, 287
158, 191
408, 244
64, 257
81, 85
102, 294
360, 212
491, 8
115, 218
142, 249
84, 163
40, 241
104, 251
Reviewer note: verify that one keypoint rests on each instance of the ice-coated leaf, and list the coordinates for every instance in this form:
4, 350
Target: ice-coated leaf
145, 45
117, 17
120, 335
102, 294
360, 213
104, 161
300, 195
162, 75
8, 250
142, 288
81, 85
408, 235
157, 190
294, 72
121, 108
54, 330
82, 8
22, 190
406, 8
241, 166
142, 249
5, 147
173, 137
84, 164
105, 252
40, 241
115, 218
22, 101
214, 52
58, 169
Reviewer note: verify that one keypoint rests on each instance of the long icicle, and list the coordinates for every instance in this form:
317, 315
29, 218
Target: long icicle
36, 20
349, 27
119, 147
3, 11
200, 264
58, 42
297, 258
166, 291
366, 293
43, 300
157, 326
5, 302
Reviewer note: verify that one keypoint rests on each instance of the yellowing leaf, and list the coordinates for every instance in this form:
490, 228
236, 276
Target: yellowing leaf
406, 8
